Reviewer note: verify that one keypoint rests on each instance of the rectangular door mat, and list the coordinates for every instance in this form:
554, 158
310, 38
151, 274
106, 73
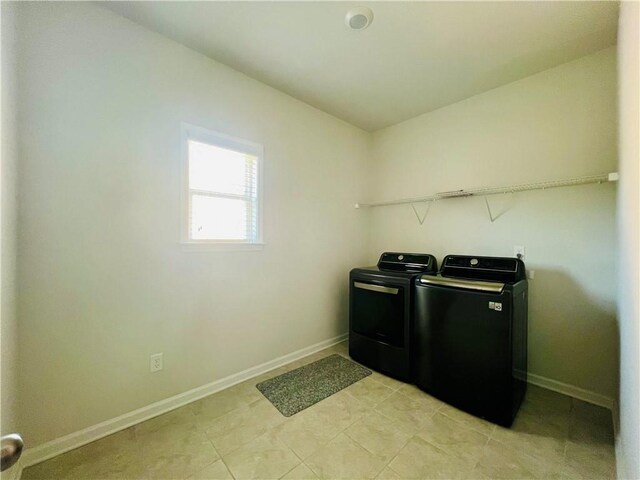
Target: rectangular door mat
298, 389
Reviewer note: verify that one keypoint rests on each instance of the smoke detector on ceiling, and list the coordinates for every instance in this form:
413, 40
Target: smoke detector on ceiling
359, 18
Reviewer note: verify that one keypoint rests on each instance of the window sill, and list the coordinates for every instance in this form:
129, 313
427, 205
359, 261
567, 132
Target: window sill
220, 247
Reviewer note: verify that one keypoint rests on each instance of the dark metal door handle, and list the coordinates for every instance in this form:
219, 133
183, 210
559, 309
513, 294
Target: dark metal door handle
12, 446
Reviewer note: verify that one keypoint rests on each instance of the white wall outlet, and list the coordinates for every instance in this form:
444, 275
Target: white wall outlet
518, 252
531, 274
156, 362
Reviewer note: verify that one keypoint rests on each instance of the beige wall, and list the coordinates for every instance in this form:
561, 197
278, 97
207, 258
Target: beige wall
628, 441
557, 124
8, 318
103, 281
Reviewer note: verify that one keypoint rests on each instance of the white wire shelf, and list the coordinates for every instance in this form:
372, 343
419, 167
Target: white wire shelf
483, 192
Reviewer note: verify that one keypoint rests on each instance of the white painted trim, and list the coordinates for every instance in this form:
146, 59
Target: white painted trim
615, 412
61, 445
220, 247
620, 459
571, 390
621, 464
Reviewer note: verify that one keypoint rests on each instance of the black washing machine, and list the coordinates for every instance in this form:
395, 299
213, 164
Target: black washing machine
381, 307
471, 335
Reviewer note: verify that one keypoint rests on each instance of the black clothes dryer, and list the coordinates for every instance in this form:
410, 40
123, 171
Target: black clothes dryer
381, 307
471, 335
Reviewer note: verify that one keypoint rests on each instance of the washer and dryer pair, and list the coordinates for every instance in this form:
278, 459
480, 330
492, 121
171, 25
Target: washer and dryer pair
459, 334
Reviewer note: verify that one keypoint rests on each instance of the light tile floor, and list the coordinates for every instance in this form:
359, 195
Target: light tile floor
376, 428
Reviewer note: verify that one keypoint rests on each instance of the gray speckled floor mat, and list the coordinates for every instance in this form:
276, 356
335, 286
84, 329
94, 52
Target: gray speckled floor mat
298, 389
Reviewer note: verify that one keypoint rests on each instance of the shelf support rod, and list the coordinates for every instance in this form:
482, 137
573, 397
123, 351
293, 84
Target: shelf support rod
610, 177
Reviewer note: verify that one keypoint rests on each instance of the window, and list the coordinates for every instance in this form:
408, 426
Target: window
223, 188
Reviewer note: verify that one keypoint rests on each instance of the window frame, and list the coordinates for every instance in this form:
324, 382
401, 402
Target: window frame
200, 134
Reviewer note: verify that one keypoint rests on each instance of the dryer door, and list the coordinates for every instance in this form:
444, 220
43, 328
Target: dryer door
378, 311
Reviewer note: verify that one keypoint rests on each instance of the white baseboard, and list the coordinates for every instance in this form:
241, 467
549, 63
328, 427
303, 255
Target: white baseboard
32, 456
61, 445
615, 411
620, 453
571, 390
621, 472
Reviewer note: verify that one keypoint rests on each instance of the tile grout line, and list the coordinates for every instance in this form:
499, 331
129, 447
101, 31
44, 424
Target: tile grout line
477, 462
527, 454
310, 469
228, 413
490, 434
343, 432
197, 430
381, 383
220, 457
292, 451
374, 405
373, 410
289, 471
388, 464
328, 441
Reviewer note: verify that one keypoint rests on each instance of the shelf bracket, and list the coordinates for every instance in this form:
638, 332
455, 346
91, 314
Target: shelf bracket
422, 218
493, 217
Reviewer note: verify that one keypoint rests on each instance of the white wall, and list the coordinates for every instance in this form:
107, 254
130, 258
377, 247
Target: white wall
557, 124
103, 281
628, 441
8, 318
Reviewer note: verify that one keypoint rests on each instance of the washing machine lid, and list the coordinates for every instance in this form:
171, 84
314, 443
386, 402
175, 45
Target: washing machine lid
497, 269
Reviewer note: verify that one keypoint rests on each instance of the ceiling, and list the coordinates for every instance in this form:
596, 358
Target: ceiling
415, 57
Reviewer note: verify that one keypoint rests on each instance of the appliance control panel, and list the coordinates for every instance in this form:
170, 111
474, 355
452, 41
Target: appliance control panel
504, 269
408, 261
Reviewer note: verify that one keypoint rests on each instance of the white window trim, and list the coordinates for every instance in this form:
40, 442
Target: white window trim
193, 132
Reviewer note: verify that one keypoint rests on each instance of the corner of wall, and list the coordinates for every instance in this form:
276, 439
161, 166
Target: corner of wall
628, 435
8, 317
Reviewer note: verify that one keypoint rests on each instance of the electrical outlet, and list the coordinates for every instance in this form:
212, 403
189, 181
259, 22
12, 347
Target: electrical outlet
156, 363
518, 252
